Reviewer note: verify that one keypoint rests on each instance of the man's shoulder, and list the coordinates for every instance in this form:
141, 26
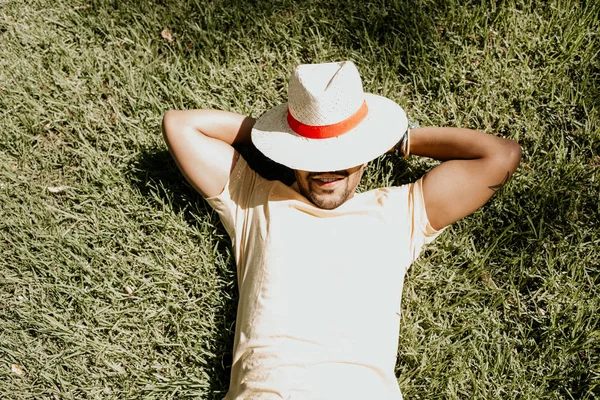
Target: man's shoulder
392, 190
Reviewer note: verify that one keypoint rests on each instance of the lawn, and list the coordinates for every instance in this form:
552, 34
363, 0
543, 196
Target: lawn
117, 280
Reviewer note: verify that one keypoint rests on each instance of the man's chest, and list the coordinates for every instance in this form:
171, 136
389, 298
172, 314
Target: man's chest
332, 260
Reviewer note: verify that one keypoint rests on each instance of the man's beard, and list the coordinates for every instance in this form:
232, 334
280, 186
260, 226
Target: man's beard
329, 199
329, 202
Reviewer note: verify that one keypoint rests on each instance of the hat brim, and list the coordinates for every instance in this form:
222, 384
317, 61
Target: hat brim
377, 133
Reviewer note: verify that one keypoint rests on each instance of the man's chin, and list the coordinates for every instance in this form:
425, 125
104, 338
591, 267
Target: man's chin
325, 202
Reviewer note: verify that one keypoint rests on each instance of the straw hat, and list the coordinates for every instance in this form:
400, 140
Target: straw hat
329, 123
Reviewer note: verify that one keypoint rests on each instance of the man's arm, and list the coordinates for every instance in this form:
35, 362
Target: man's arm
201, 142
474, 166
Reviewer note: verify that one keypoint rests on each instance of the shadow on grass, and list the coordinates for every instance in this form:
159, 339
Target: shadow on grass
157, 177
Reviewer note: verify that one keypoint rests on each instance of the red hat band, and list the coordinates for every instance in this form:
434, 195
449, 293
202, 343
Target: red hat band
328, 131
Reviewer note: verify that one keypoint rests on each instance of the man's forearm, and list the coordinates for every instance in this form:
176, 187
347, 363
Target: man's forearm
476, 165
225, 126
445, 144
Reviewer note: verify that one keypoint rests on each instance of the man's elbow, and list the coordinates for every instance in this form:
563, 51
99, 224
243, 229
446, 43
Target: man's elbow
506, 156
512, 154
167, 124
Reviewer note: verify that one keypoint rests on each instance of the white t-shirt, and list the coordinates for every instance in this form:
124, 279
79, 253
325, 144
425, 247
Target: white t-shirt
320, 290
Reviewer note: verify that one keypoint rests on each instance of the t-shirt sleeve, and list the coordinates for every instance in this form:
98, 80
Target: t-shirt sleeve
232, 203
420, 230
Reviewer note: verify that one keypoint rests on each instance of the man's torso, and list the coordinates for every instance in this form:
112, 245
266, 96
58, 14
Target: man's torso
320, 290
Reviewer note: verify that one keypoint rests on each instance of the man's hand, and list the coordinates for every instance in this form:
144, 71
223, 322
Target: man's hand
474, 166
201, 142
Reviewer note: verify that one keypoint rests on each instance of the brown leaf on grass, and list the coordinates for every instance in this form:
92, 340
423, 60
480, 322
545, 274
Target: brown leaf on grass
16, 369
488, 281
58, 189
167, 35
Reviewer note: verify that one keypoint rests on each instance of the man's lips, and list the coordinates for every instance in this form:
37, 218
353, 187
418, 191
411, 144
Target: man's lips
327, 180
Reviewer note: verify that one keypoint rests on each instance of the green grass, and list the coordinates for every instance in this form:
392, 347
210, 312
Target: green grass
121, 284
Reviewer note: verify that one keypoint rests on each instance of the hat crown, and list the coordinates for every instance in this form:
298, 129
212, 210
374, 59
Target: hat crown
325, 94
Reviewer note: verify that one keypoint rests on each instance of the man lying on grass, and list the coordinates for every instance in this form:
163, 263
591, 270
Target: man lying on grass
320, 267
